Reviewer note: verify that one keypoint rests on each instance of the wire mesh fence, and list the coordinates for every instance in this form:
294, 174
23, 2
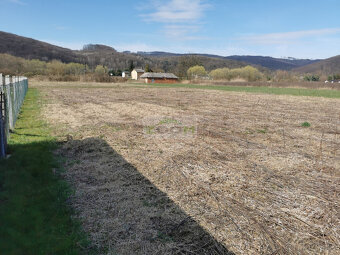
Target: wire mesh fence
12, 93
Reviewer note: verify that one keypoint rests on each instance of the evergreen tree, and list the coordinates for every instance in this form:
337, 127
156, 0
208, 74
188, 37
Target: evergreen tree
131, 66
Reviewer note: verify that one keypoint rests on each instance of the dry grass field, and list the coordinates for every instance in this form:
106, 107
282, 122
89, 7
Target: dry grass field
193, 171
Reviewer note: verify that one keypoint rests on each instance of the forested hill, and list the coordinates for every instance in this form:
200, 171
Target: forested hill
28, 48
96, 54
266, 62
328, 66
274, 63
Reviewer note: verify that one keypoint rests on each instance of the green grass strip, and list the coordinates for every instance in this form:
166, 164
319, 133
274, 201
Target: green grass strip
264, 90
34, 217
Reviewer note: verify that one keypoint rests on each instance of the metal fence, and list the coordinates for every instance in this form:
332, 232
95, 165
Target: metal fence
12, 93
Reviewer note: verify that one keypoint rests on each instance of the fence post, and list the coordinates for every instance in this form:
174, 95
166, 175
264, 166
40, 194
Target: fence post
3, 141
9, 84
15, 100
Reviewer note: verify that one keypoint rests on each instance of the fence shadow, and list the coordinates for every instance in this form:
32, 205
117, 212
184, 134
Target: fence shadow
123, 211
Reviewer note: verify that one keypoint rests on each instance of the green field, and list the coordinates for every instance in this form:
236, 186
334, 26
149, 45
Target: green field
263, 90
34, 218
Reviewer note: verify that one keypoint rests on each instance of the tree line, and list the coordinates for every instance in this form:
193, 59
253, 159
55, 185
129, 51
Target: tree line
185, 67
53, 70
247, 73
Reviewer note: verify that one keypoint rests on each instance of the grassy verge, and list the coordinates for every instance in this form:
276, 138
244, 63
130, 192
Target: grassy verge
34, 217
264, 90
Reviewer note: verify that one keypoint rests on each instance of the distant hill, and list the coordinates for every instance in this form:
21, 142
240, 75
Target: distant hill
97, 54
169, 54
266, 62
209, 61
28, 48
274, 63
328, 66
98, 47
158, 54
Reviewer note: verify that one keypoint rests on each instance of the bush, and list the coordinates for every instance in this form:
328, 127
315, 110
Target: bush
100, 69
55, 67
305, 124
334, 77
34, 67
196, 72
221, 74
311, 78
248, 73
74, 69
282, 75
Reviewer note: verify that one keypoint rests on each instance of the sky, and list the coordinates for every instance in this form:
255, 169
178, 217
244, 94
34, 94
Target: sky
277, 28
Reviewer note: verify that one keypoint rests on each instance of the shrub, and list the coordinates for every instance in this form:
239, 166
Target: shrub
311, 77
334, 77
305, 124
55, 67
74, 69
248, 73
100, 69
196, 72
35, 67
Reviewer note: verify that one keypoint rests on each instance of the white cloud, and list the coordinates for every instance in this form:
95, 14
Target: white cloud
176, 11
289, 37
176, 15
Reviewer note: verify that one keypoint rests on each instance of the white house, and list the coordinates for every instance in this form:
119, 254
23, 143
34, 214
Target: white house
125, 74
136, 73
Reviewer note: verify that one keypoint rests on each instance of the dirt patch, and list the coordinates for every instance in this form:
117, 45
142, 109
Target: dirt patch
123, 212
245, 170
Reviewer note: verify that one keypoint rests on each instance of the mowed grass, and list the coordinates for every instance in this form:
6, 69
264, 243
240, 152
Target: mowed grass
34, 217
264, 90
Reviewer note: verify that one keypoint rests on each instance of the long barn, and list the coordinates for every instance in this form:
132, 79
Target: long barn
159, 78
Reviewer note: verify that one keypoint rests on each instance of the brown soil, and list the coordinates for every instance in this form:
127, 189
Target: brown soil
247, 176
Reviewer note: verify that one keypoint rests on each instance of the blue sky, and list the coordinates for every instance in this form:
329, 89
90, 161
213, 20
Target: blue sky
278, 28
